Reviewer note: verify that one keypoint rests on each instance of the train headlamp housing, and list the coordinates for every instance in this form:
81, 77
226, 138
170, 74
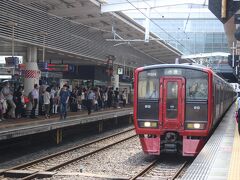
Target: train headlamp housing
148, 124
195, 125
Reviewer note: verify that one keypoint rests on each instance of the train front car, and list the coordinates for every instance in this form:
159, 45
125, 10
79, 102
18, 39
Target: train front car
172, 105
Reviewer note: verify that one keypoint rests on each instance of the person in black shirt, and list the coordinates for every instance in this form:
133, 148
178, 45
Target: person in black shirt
19, 111
116, 98
110, 95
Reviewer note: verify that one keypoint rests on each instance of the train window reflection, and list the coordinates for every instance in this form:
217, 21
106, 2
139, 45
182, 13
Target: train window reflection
172, 100
148, 87
197, 89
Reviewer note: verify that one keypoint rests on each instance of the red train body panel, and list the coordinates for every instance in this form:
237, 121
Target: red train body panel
176, 107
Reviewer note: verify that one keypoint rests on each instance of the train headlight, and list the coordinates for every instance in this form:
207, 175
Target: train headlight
148, 124
195, 126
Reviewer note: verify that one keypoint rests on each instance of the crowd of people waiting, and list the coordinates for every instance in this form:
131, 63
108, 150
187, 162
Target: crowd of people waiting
55, 100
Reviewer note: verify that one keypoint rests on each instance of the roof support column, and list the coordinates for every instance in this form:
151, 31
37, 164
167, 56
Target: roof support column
31, 73
115, 79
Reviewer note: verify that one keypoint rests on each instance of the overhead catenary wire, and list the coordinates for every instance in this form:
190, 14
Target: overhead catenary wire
157, 24
184, 32
168, 33
187, 19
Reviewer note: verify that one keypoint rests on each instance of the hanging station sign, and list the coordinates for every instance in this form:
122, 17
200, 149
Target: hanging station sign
120, 71
12, 61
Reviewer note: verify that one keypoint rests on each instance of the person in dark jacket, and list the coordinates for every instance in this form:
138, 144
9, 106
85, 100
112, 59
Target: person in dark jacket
18, 100
110, 97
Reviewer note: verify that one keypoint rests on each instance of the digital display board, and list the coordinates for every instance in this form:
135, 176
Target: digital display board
57, 67
47, 67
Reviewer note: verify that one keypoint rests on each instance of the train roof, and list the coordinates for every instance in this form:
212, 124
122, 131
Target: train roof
185, 65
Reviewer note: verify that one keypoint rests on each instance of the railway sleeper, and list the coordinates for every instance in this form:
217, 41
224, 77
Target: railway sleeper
24, 173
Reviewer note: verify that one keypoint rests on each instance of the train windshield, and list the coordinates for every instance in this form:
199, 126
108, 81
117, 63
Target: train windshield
148, 85
196, 83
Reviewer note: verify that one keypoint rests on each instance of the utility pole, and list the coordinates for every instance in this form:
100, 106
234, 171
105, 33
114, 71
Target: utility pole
233, 52
13, 25
44, 34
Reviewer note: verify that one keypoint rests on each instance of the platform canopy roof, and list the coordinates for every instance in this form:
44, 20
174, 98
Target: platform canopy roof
116, 26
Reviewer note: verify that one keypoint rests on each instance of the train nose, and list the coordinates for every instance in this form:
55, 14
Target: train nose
171, 137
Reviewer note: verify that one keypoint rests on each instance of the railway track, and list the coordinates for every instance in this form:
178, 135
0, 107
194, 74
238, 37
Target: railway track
55, 161
161, 170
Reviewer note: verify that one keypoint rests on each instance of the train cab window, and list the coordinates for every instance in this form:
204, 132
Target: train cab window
148, 85
197, 89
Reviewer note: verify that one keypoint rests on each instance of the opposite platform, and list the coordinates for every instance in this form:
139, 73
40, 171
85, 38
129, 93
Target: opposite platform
220, 157
17, 128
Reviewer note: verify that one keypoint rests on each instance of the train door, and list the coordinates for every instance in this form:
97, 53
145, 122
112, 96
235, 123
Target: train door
172, 104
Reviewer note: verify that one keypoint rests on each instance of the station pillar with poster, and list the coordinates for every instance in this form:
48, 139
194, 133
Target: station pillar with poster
115, 78
31, 72
112, 72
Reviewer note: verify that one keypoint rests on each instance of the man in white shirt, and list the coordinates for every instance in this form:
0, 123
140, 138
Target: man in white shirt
35, 98
52, 96
90, 99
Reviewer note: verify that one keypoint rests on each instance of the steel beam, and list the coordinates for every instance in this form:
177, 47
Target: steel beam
124, 6
72, 12
147, 25
203, 55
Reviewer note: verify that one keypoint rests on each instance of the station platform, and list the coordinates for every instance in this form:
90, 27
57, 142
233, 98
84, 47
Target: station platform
21, 127
220, 157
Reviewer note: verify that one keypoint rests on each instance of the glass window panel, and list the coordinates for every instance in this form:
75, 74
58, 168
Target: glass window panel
148, 85
172, 100
197, 86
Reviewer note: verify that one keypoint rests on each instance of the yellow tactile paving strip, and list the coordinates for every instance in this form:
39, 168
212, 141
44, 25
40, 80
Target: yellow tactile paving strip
234, 169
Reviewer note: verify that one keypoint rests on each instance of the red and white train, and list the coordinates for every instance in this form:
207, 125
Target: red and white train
176, 107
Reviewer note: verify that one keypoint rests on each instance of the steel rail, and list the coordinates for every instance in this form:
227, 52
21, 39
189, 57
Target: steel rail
179, 170
151, 166
146, 169
24, 165
78, 158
